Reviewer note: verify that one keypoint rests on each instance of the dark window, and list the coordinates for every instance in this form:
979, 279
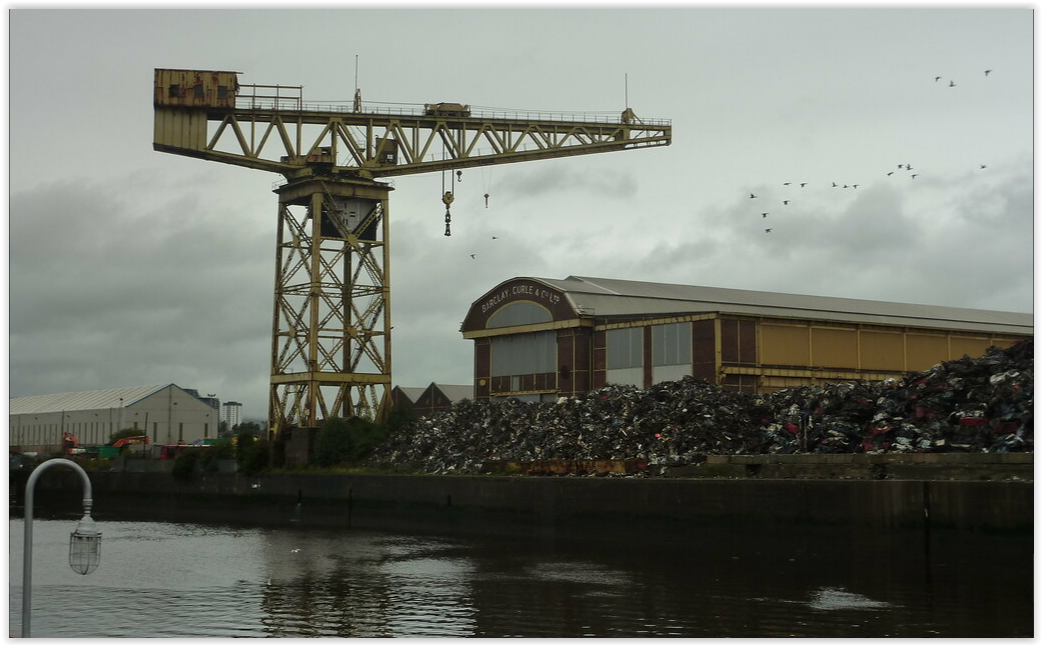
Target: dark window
524, 354
198, 91
625, 348
222, 91
175, 90
671, 344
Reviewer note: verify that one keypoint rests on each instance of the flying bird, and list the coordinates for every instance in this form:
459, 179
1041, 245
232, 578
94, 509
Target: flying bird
833, 185
951, 84
983, 166
751, 196
908, 167
786, 183
855, 185
767, 230
936, 78
495, 237
986, 72
900, 165
802, 184
914, 175
472, 256
785, 201
764, 214
890, 173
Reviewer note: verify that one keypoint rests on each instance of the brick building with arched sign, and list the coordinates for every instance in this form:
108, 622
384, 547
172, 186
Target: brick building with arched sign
537, 339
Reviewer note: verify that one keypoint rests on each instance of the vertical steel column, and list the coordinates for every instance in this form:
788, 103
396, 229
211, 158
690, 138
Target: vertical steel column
313, 305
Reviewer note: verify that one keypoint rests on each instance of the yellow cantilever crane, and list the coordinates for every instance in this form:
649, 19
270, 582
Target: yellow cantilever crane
331, 341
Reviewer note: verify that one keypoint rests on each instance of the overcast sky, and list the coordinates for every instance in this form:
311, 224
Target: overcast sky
132, 267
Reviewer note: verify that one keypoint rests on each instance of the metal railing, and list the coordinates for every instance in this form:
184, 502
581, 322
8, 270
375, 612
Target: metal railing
296, 104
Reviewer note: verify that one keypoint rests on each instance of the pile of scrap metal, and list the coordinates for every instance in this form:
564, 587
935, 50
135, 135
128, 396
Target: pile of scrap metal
971, 405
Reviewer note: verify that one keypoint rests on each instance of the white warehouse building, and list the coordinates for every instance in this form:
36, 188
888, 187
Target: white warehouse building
167, 414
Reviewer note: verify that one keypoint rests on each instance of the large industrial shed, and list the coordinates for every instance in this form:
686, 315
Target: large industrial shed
432, 399
166, 413
536, 338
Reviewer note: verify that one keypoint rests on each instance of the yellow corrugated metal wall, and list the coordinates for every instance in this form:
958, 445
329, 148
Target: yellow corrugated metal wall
792, 353
180, 128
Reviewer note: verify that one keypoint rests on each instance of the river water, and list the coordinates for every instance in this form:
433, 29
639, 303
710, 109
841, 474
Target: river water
192, 580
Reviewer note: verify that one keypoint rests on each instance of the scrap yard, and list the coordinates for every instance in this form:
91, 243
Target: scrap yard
970, 405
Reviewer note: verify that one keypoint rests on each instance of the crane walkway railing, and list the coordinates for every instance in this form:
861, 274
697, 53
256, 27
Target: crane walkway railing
296, 104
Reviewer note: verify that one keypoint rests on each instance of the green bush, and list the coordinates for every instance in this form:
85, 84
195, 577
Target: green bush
184, 464
219, 450
251, 455
398, 417
333, 445
223, 449
345, 441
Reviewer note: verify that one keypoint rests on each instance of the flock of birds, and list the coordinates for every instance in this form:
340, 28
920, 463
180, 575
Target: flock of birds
905, 167
474, 256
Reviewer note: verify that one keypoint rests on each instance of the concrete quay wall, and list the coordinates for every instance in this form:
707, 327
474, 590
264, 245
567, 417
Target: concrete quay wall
498, 503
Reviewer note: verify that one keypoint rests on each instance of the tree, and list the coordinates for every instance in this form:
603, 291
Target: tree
184, 464
251, 454
342, 441
399, 416
248, 427
333, 445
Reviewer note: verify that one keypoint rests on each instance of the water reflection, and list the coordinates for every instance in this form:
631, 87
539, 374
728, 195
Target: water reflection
173, 580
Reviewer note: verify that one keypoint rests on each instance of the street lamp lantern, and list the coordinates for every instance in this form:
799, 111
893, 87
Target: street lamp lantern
84, 543
85, 546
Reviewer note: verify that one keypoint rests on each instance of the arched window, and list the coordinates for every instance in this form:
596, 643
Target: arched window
519, 313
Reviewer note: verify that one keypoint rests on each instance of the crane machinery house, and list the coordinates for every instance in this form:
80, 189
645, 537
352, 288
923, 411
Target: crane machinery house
537, 339
446, 109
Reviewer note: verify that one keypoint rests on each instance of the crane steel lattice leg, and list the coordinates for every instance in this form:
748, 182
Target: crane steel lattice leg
331, 342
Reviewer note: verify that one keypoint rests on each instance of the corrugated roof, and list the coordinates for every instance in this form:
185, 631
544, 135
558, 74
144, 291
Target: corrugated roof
411, 393
613, 297
88, 400
456, 393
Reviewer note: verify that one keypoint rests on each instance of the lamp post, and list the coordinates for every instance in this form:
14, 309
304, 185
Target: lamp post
84, 542
212, 397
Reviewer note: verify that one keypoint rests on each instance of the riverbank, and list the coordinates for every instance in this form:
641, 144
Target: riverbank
566, 505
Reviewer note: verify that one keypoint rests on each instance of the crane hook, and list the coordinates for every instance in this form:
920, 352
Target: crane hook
459, 176
447, 199
486, 200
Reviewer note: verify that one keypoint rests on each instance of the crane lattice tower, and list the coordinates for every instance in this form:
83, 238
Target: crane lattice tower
331, 323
